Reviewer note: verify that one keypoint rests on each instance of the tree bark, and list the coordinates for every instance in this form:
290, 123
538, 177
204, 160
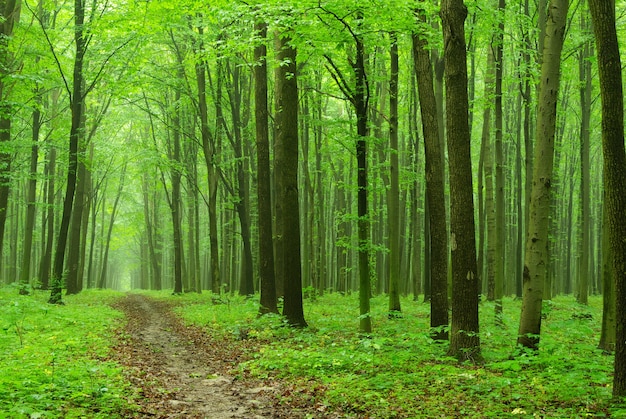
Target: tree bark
464, 339
77, 97
536, 258
10, 16
287, 132
393, 201
266, 247
435, 190
585, 177
609, 66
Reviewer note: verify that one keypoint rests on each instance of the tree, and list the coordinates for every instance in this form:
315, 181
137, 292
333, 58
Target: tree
358, 95
435, 189
614, 155
77, 96
266, 249
287, 173
10, 17
536, 258
464, 339
393, 200
585, 177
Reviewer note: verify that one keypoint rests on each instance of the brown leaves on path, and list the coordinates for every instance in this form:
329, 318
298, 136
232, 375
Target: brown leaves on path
182, 372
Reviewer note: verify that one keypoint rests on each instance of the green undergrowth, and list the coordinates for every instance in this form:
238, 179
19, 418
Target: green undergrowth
53, 358
399, 371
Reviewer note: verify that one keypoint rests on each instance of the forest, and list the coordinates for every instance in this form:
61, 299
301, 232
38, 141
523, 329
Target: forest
333, 200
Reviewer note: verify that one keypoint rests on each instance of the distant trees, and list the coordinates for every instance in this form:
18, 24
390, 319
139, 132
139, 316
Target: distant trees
316, 163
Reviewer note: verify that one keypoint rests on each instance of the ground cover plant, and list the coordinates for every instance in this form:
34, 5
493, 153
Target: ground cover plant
53, 358
399, 371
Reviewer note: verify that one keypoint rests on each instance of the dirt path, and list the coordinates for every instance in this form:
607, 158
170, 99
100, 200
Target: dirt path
182, 373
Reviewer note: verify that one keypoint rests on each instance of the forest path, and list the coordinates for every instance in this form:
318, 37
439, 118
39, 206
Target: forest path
182, 372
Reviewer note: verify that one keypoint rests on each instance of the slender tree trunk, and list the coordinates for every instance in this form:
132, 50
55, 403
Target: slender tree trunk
393, 202
10, 16
75, 244
175, 201
46, 259
76, 104
209, 149
464, 339
435, 190
585, 177
266, 247
499, 160
536, 258
29, 226
490, 210
609, 66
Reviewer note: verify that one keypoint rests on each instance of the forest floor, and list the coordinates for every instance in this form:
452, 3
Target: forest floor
182, 372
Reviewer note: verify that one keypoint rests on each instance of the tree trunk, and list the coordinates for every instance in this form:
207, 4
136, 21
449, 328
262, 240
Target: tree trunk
585, 177
464, 339
77, 97
609, 66
287, 140
208, 147
393, 202
435, 190
536, 257
266, 247
10, 16
607, 335
46, 259
175, 199
499, 160
29, 226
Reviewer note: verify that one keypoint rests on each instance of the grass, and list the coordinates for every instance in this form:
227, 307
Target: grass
399, 372
53, 358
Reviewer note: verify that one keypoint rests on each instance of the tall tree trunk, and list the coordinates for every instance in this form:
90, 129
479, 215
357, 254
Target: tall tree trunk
609, 66
175, 200
361, 99
464, 339
585, 177
499, 160
393, 201
10, 16
209, 149
536, 257
287, 132
266, 247
435, 190
490, 211
77, 97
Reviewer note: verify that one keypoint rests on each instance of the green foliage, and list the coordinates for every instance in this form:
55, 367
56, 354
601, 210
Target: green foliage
401, 372
53, 358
